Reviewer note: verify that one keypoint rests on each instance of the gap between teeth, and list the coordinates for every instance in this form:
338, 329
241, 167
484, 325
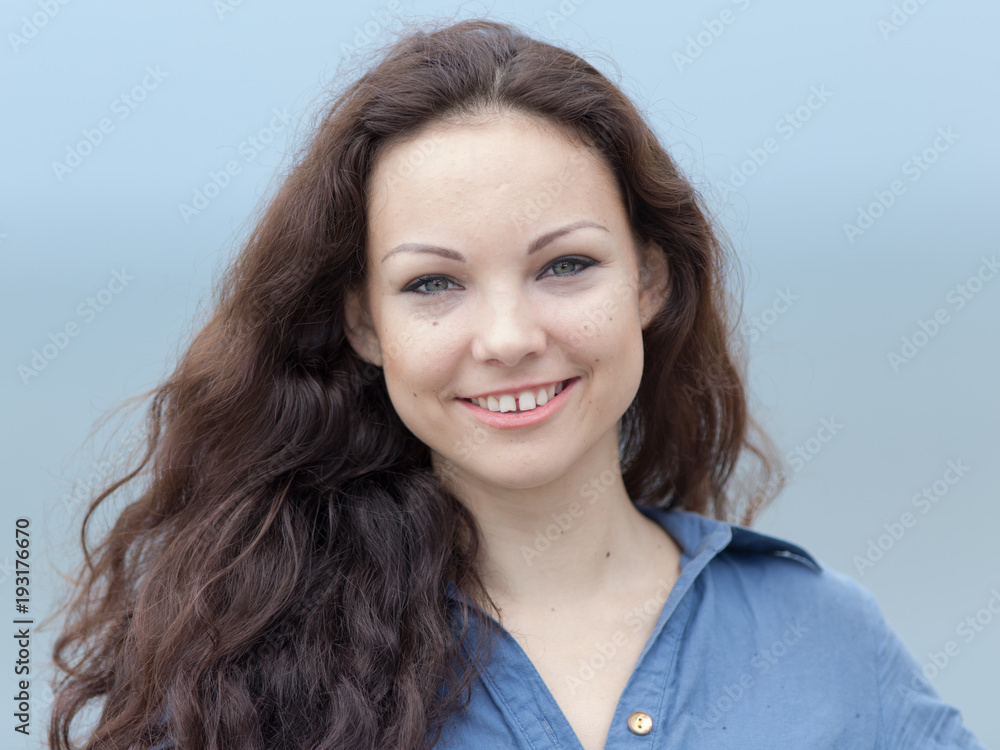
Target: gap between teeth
525, 400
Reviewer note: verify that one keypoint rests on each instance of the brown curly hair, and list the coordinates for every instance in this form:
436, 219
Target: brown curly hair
280, 580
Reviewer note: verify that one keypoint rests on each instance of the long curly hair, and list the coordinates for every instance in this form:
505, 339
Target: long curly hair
281, 578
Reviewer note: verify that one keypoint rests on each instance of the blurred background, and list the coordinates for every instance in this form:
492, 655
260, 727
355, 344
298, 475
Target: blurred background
848, 149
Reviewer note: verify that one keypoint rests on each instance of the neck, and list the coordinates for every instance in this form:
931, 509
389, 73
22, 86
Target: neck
545, 551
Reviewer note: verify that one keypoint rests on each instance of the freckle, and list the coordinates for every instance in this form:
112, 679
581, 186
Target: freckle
608, 555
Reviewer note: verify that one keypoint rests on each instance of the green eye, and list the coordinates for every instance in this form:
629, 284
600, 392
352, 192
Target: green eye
414, 286
565, 261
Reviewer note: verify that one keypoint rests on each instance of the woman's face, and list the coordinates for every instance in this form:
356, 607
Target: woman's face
500, 260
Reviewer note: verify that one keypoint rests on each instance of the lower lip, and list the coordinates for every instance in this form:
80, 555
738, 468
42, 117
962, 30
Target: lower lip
509, 419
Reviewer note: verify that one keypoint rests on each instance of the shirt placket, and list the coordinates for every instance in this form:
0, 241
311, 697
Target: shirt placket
640, 719
641, 714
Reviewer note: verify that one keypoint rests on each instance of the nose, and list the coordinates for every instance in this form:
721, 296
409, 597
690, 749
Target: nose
507, 328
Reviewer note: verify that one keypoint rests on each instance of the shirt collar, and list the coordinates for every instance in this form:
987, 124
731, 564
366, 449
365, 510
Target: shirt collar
697, 534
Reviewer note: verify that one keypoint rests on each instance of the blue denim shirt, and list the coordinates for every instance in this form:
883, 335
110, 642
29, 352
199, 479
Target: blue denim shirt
757, 645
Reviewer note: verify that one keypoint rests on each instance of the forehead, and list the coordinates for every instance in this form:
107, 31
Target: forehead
508, 171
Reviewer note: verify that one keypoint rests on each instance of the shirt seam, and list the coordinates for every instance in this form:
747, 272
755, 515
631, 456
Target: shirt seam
510, 711
880, 741
660, 708
790, 554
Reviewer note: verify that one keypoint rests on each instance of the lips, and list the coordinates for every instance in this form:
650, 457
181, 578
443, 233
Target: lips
514, 419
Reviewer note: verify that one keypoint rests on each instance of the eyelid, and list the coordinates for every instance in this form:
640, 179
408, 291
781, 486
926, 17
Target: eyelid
581, 260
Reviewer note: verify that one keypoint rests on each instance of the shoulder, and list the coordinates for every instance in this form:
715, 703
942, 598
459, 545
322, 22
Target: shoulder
785, 579
787, 574
741, 575
771, 567
772, 607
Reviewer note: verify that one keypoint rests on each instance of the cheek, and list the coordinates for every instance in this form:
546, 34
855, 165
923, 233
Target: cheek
403, 338
418, 357
602, 320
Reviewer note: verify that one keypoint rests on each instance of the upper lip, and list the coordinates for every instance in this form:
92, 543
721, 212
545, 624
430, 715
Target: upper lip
519, 388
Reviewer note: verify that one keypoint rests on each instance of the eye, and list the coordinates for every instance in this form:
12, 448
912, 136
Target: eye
424, 280
567, 262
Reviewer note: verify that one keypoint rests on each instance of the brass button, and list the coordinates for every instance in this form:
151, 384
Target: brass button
640, 722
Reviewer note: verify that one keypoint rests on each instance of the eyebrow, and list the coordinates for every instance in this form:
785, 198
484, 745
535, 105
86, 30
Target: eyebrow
535, 246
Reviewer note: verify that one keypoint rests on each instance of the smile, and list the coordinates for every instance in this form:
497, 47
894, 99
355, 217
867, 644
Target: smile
535, 405
522, 401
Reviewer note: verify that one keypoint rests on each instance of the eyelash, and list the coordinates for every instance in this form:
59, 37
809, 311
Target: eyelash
583, 262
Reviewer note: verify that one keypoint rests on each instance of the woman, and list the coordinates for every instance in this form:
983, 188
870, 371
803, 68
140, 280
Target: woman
452, 463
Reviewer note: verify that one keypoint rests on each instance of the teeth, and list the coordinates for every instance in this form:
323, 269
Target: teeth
525, 400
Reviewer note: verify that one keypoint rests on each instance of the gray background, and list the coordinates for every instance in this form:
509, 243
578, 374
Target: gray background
223, 71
